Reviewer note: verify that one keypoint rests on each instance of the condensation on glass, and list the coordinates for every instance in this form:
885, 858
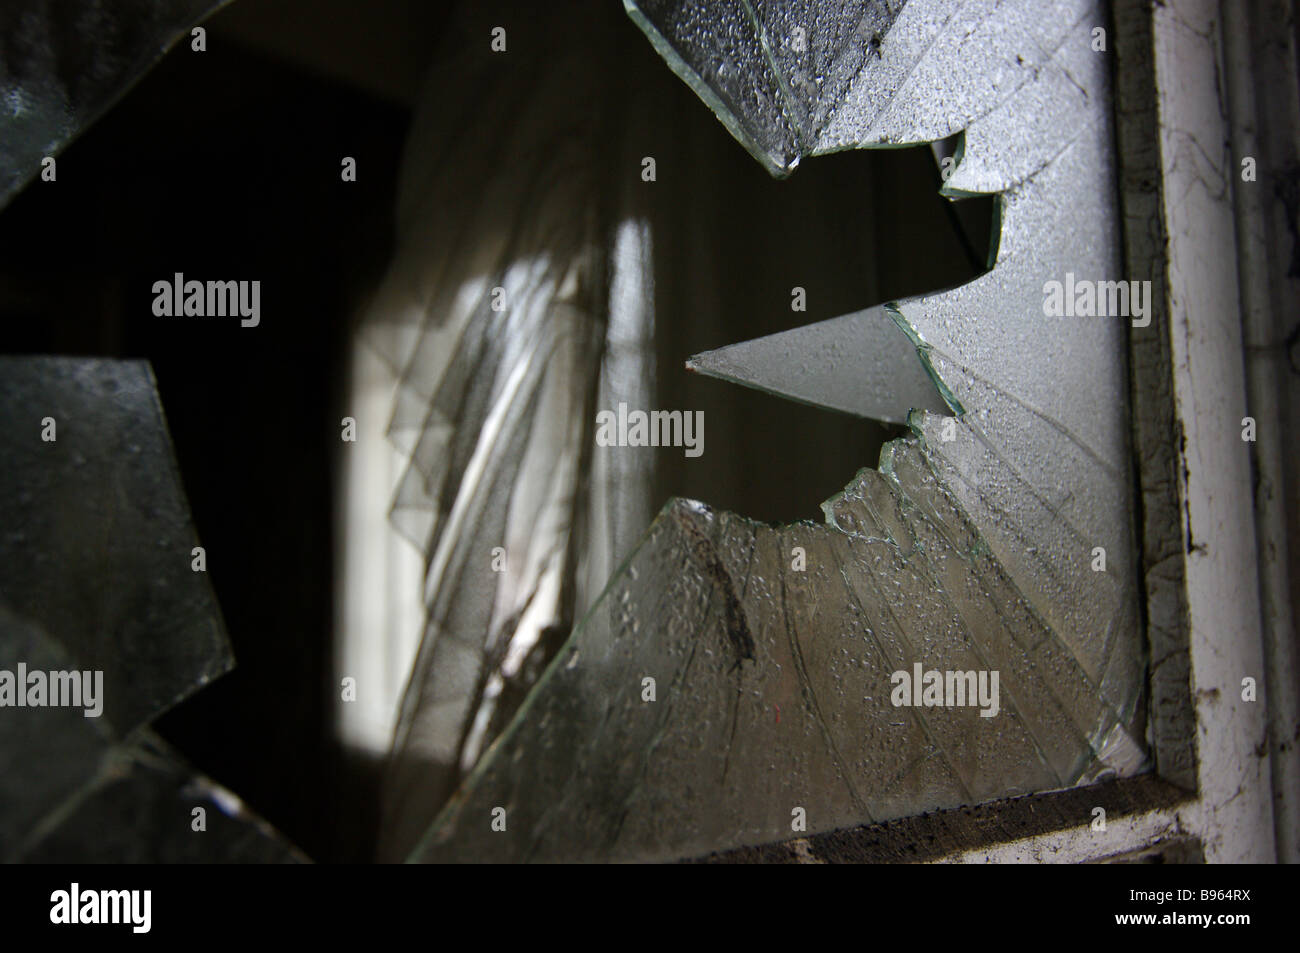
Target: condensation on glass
63, 64
97, 586
734, 678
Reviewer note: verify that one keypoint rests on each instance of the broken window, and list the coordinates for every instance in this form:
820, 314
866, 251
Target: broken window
589, 666
961, 627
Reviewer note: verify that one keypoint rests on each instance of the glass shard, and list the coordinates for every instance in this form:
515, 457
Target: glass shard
141, 810
46, 754
719, 50
772, 688
99, 538
63, 64
104, 624
860, 363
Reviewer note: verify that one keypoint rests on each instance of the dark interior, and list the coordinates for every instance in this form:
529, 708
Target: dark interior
227, 164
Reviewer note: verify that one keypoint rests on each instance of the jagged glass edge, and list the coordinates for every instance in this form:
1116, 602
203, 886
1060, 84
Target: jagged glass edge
684, 71
150, 59
447, 814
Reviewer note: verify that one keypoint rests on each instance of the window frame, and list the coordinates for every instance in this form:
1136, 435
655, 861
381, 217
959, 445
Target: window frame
1213, 792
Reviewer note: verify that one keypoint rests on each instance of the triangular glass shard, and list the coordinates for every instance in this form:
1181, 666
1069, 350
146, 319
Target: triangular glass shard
860, 364
141, 809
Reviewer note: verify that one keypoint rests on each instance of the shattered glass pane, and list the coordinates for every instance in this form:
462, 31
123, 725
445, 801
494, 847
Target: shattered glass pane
46, 754
103, 626
817, 48
734, 675
98, 534
63, 64
141, 810
716, 49
486, 318
773, 688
